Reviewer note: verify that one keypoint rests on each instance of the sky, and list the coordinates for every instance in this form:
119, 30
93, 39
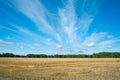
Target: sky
59, 26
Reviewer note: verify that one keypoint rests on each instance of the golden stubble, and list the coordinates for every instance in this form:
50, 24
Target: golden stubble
60, 68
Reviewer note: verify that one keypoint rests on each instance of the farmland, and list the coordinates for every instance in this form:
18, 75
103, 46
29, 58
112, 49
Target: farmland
59, 68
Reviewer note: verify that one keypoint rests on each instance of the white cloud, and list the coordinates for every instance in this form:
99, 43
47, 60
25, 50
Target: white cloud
70, 24
109, 47
80, 51
5, 42
28, 34
67, 20
91, 44
84, 23
10, 29
94, 37
108, 42
35, 11
98, 42
23, 30
58, 47
58, 37
110, 36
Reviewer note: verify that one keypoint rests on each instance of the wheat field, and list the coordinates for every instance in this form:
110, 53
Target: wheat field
59, 69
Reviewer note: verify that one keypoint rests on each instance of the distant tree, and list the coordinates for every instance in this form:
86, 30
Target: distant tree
37, 55
30, 55
94, 55
8, 55
106, 55
42, 55
0, 55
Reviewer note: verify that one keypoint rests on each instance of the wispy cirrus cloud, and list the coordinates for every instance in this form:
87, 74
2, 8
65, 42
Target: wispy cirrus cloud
35, 37
25, 34
110, 36
34, 10
108, 42
38, 14
67, 21
98, 42
72, 27
95, 37
5, 42
90, 44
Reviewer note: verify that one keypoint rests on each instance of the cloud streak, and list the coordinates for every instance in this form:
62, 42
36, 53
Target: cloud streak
36, 12
5, 42
72, 27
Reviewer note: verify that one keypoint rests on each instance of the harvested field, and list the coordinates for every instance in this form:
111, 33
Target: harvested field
59, 69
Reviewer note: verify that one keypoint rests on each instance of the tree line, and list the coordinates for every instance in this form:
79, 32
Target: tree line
94, 55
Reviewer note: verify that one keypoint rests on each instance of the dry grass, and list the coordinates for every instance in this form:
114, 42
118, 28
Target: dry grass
59, 69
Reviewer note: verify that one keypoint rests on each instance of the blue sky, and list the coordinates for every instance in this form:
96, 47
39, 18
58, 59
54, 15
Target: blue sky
59, 26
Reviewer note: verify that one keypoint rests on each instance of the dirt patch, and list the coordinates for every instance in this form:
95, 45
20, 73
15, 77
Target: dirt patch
58, 74
5, 78
84, 72
9, 78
